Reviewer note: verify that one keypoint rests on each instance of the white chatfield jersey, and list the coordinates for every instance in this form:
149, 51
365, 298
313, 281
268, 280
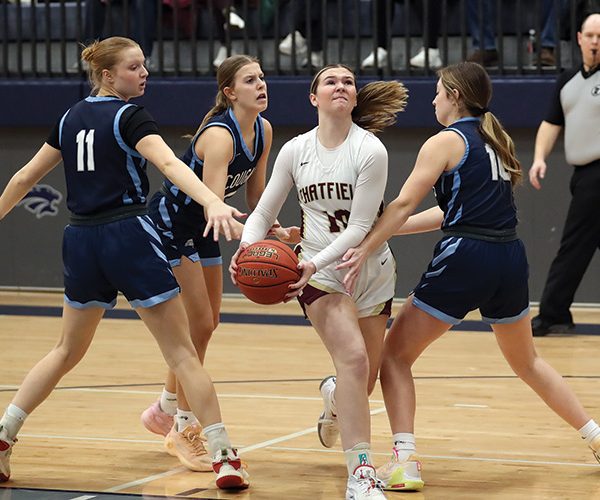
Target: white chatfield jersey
340, 193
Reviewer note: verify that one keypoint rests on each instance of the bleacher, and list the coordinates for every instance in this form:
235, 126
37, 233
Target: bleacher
40, 52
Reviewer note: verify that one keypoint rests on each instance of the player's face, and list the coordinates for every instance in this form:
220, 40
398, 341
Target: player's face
589, 41
249, 88
128, 76
444, 105
336, 91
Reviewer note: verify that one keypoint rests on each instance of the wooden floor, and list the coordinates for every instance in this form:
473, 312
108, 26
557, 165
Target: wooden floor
482, 434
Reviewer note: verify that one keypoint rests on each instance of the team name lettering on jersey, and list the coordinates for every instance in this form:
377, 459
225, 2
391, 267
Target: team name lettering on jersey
326, 191
237, 180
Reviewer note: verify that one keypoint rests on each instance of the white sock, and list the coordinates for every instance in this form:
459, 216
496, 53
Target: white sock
168, 402
12, 420
404, 443
589, 432
217, 438
184, 419
359, 454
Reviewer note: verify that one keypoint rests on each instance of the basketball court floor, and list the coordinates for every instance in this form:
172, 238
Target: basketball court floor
481, 433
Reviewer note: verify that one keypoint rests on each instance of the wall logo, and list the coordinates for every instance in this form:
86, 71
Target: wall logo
596, 91
42, 200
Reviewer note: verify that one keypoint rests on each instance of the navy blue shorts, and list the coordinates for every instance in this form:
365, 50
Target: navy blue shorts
467, 274
181, 234
126, 255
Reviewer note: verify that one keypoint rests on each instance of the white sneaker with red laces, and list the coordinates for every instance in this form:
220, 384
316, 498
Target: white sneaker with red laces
364, 485
6, 445
231, 472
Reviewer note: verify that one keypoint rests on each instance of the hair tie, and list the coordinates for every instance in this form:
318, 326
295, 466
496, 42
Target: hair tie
484, 110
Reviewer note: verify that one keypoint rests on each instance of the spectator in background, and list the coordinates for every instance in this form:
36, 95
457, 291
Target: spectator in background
225, 17
576, 108
486, 53
430, 42
299, 22
143, 15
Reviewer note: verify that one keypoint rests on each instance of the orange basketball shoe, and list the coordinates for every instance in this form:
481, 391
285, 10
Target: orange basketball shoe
189, 447
595, 447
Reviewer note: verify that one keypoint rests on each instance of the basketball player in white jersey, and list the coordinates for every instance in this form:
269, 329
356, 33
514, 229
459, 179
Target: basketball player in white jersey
339, 170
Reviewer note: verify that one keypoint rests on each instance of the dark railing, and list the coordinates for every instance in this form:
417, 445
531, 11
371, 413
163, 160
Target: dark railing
42, 38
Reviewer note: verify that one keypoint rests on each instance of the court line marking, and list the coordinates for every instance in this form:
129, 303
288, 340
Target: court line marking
84, 497
263, 444
466, 405
6, 388
452, 457
90, 438
219, 394
269, 444
138, 482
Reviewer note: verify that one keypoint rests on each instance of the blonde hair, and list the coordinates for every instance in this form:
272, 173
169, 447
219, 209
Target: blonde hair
225, 78
475, 92
105, 54
377, 103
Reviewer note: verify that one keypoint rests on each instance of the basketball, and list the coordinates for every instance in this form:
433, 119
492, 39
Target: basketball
265, 269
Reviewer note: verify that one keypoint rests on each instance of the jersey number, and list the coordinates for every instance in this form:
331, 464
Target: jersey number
498, 170
339, 218
87, 137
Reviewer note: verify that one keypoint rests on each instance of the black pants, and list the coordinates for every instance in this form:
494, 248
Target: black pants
307, 16
580, 239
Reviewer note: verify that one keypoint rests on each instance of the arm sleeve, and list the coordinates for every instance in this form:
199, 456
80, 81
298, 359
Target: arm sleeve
368, 195
52, 139
136, 123
554, 114
273, 197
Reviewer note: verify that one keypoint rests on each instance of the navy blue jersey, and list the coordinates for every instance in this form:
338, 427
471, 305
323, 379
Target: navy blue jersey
102, 172
477, 193
240, 168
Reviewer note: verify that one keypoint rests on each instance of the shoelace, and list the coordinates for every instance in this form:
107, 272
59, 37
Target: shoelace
370, 483
196, 440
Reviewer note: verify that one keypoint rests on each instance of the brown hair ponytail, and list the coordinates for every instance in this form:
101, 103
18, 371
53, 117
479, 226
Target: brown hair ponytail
475, 92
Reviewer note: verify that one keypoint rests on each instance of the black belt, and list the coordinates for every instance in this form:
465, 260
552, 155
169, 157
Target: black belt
168, 195
481, 233
107, 216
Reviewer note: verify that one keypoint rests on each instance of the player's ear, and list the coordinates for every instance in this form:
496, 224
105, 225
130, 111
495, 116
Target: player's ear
106, 74
229, 93
313, 99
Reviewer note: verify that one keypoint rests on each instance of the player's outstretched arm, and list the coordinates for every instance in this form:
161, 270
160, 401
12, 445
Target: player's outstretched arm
28, 176
219, 215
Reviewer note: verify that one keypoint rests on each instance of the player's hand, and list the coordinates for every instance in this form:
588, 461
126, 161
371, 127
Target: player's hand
353, 261
237, 229
220, 217
233, 267
307, 269
536, 173
289, 235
